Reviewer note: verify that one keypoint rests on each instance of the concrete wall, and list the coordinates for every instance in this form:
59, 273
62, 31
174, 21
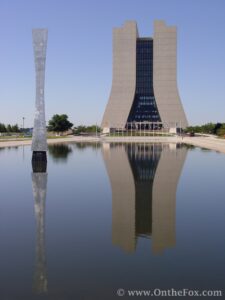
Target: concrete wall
124, 76
165, 75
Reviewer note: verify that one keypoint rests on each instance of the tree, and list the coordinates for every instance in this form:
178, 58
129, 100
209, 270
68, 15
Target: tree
209, 128
87, 129
59, 123
221, 130
2, 127
15, 128
9, 128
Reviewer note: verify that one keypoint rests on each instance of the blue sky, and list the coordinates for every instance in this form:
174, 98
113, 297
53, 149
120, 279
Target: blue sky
79, 55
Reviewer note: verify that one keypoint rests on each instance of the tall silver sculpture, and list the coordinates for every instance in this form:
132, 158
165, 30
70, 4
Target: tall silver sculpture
39, 143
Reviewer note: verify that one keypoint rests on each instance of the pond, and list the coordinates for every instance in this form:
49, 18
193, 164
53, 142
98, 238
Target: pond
111, 216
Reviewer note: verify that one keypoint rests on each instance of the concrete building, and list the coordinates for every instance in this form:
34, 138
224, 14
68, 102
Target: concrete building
143, 180
144, 87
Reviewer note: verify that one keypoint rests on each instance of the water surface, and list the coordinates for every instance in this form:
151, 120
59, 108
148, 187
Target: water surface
104, 217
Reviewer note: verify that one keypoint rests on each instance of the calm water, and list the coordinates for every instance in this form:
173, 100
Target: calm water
109, 217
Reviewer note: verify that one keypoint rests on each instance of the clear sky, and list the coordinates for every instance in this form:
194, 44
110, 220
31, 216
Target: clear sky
79, 55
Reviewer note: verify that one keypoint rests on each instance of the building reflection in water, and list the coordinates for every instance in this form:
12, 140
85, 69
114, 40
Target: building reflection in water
39, 183
144, 180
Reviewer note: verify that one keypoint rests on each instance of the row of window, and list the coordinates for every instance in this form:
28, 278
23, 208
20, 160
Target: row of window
142, 90
141, 71
147, 98
144, 107
144, 62
140, 103
147, 84
141, 76
144, 47
146, 116
144, 81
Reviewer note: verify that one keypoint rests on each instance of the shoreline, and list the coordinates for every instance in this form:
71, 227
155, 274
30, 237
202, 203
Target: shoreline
209, 142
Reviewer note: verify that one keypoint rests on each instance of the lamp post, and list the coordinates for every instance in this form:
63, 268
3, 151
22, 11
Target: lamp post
23, 123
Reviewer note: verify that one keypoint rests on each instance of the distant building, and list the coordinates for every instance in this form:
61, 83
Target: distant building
144, 87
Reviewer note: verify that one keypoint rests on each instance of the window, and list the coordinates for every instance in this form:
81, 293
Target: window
144, 105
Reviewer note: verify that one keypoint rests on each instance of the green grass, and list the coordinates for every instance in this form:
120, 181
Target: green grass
14, 140
14, 137
6, 137
22, 138
57, 137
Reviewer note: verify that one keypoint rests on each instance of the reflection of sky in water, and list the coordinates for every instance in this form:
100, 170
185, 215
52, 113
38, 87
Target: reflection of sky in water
80, 254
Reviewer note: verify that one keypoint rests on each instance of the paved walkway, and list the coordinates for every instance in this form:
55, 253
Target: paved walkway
212, 143
14, 143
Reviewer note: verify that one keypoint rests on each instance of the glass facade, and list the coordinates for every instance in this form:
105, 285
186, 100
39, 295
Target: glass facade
144, 108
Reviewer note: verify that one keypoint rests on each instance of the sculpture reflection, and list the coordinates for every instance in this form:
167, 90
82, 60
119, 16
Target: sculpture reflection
143, 180
39, 183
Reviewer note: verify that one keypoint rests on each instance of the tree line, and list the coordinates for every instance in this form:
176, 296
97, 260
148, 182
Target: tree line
60, 123
87, 129
209, 128
9, 128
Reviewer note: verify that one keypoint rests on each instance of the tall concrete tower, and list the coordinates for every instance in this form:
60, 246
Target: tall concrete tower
39, 143
144, 86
